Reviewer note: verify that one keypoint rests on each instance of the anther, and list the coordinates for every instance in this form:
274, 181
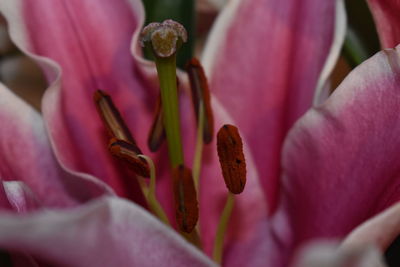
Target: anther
164, 38
157, 131
129, 153
201, 95
231, 158
111, 117
186, 206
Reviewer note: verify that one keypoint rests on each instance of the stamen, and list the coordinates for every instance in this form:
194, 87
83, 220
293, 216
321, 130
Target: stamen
230, 153
111, 117
201, 96
164, 38
129, 153
157, 132
186, 206
231, 158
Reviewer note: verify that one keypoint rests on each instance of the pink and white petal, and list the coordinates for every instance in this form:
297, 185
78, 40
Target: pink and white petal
19, 196
26, 156
385, 13
340, 161
84, 46
4, 200
105, 232
323, 88
380, 230
328, 254
264, 59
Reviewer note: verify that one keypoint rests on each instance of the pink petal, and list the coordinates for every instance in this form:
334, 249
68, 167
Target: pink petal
26, 156
88, 44
341, 159
324, 253
106, 232
385, 13
264, 59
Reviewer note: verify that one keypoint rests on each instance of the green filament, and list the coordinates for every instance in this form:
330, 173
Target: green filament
199, 147
150, 192
222, 227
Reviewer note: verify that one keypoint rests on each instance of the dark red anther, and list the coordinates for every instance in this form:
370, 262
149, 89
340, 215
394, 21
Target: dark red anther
157, 132
186, 206
231, 158
129, 153
111, 117
201, 94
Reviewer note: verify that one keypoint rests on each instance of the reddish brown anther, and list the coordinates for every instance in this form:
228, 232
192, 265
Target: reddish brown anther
231, 158
129, 153
201, 94
157, 132
186, 206
111, 117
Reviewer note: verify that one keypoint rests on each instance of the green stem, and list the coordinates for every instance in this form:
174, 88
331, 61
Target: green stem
150, 193
166, 68
222, 227
199, 147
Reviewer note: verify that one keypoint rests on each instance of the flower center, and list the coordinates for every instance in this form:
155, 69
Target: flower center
164, 39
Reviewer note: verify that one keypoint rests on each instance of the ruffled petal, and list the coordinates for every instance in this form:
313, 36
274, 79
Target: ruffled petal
340, 160
264, 59
385, 13
84, 46
106, 232
26, 156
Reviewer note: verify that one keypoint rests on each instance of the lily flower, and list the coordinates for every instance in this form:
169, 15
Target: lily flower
329, 172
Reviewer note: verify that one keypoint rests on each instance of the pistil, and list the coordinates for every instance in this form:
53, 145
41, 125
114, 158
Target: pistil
164, 39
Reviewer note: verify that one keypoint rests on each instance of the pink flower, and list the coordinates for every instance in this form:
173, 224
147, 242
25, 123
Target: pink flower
329, 174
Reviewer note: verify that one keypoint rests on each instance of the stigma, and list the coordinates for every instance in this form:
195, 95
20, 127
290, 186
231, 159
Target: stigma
164, 38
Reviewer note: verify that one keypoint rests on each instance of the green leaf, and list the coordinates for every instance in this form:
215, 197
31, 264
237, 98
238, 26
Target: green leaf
182, 11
